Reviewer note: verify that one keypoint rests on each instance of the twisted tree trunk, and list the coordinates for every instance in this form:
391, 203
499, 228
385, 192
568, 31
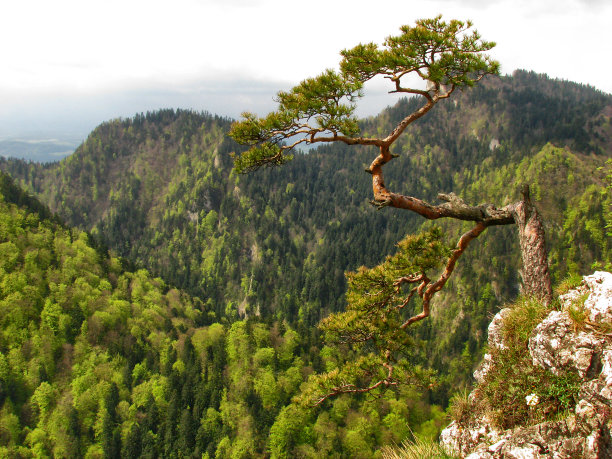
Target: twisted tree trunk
535, 275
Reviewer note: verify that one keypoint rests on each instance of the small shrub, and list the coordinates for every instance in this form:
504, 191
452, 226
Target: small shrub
563, 390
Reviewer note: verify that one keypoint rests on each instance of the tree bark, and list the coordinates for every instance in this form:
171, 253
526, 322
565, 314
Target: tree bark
535, 274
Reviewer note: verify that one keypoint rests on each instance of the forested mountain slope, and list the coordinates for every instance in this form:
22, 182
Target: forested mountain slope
80, 337
158, 189
97, 361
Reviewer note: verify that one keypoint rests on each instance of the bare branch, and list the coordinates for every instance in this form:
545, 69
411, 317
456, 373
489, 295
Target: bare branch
353, 389
447, 94
454, 207
408, 120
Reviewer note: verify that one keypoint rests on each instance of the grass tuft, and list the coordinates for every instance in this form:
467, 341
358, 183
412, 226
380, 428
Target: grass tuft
577, 312
417, 449
525, 314
515, 391
571, 282
464, 409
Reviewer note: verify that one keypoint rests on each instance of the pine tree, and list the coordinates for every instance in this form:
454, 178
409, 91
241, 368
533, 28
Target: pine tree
447, 57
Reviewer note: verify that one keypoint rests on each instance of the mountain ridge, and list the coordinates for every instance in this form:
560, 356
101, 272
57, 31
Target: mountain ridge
176, 208
261, 259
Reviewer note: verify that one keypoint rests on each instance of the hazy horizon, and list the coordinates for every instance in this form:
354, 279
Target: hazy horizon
64, 74
66, 123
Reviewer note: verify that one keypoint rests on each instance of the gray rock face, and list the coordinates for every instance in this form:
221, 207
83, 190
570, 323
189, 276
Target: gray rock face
558, 345
470, 441
598, 303
495, 340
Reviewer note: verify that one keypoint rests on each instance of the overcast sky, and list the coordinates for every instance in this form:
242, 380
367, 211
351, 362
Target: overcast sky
71, 64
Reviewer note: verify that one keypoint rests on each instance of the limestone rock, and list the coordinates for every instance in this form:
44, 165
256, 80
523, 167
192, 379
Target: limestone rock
558, 345
598, 287
606, 367
496, 338
471, 442
483, 368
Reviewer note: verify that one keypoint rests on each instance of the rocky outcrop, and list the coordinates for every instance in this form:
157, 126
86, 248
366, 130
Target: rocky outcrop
557, 346
576, 339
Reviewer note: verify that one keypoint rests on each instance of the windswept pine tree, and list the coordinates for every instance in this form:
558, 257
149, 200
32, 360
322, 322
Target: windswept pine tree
448, 58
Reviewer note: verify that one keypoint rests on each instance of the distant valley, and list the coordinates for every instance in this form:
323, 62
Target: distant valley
42, 150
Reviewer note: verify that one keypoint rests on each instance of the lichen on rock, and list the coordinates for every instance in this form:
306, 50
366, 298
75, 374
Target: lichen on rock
598, 289
556, 346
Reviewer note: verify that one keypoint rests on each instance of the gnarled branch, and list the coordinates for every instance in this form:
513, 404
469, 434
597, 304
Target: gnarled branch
448, 270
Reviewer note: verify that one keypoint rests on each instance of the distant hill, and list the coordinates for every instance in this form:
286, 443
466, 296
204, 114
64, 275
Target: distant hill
39, 150
158, 189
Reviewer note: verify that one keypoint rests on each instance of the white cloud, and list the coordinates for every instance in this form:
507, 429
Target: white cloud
154, 51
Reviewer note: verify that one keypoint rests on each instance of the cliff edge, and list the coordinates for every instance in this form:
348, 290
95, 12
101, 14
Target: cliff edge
544, 389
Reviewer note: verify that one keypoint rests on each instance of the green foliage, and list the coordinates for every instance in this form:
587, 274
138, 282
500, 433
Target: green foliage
68, 348
264, 155
577, 312
376, 303
102, 362
15, 195
321, 109
438, 51
524, 315
371, 326
177, 210
608, 214
289, 430
317, 98
568, 283
276, 244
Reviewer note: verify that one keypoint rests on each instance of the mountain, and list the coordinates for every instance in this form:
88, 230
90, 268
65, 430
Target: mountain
39, 150
158, 190
100, 361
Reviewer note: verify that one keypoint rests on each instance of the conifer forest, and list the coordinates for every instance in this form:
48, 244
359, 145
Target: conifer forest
154, 302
